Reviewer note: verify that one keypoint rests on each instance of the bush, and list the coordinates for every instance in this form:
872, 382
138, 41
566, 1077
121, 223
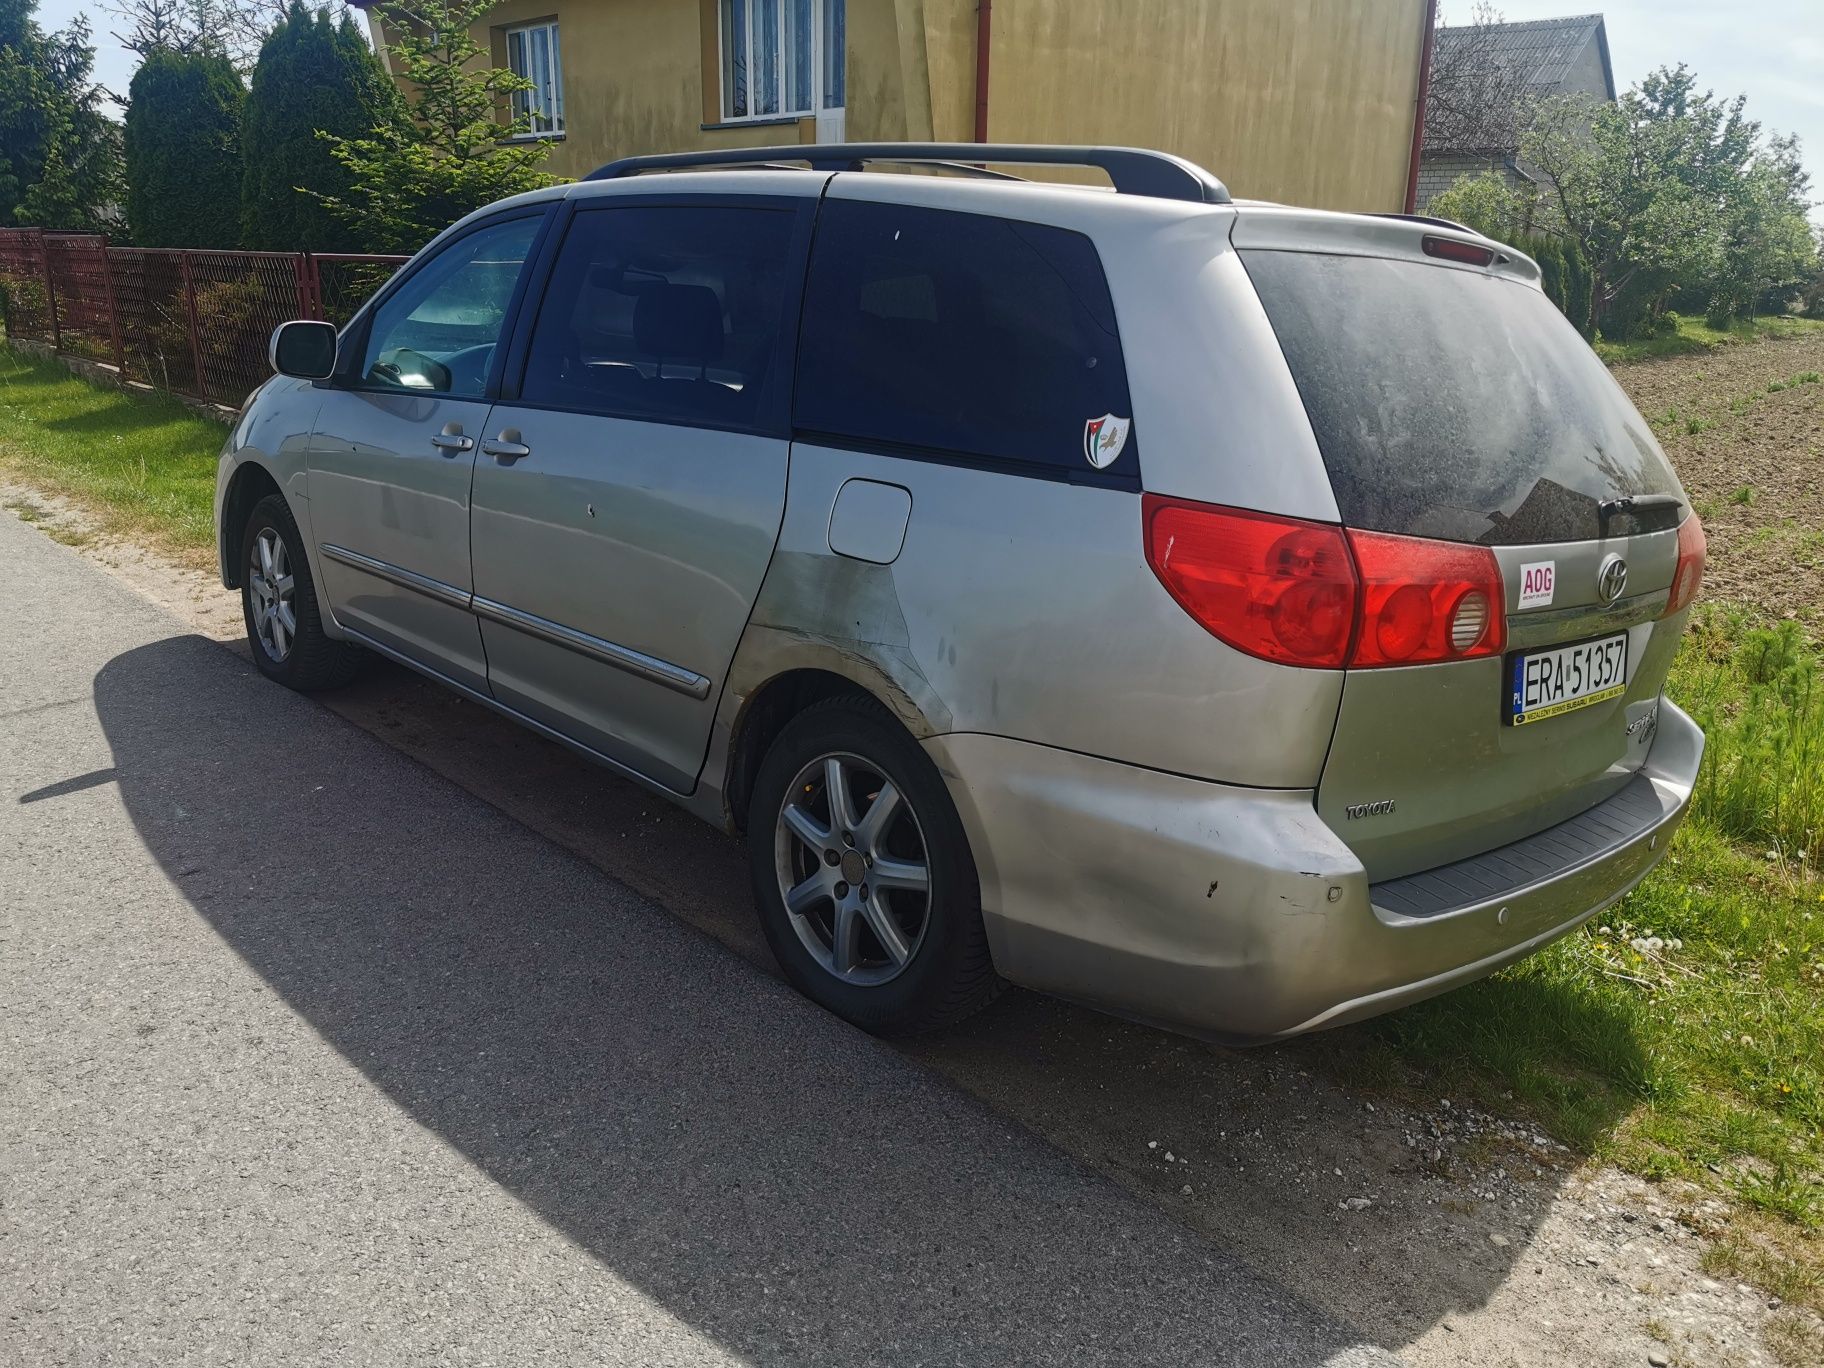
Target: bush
314, 80
184, 151
1488, 202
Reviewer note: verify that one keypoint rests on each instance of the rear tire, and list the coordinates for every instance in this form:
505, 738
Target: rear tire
870, 902
279, 602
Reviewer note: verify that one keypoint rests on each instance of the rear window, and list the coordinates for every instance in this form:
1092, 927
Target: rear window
963, 333
1453, 404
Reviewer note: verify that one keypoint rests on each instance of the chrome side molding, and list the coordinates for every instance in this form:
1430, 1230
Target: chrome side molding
650, 668
399, 575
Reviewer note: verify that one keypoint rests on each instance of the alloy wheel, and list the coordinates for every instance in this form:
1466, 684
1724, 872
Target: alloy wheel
270, 585
853, 869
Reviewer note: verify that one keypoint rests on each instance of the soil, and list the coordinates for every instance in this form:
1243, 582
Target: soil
1449, 1235
1754, 467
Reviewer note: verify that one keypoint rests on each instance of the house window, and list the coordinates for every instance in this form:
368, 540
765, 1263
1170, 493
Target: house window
781, 57
532, 53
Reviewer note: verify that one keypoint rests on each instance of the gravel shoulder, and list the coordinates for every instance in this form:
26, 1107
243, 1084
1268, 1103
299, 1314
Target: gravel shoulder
1444, 1233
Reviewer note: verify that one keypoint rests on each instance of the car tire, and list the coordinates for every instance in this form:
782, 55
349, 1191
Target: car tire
904, 961
284, 629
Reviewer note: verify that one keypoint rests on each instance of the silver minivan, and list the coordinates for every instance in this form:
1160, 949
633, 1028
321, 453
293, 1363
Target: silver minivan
1241, 618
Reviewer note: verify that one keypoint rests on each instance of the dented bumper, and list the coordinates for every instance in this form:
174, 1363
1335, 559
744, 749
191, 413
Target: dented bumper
1238, 913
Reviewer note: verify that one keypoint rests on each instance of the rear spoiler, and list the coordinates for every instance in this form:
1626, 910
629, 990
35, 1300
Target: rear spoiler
1402, 237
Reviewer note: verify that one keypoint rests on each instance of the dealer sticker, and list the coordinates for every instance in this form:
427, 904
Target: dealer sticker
1536, 584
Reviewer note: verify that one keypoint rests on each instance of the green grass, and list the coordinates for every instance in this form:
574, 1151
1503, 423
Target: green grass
143, 466
1694, 335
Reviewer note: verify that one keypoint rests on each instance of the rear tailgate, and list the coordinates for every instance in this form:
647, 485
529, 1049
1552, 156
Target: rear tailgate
1453, 402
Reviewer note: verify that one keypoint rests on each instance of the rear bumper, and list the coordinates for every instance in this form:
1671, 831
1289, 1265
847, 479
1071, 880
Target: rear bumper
1238, 913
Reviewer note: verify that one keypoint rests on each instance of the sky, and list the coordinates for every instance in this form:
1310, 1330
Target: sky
1770, 50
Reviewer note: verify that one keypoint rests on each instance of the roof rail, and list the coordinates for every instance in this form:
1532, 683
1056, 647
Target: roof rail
1132, 170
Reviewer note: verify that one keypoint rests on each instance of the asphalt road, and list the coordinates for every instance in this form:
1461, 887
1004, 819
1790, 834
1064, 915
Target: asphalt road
309, 1056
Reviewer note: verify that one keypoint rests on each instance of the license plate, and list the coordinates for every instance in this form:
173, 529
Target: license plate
1565, 678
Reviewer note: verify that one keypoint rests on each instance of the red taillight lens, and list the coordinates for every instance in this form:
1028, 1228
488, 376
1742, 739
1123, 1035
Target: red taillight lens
1425, 601
1279, 588
1450, 249
1308, 593
1693, 551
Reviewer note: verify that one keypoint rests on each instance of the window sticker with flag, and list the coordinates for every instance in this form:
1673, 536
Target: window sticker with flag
1103, 439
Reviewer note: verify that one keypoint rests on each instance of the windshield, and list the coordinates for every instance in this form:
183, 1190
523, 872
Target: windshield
1454, 404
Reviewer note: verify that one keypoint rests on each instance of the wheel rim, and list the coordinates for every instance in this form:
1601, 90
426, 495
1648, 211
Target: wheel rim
270, 584
854, 871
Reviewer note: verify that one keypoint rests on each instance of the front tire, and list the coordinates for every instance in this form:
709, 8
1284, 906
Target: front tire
862, 875
279, 602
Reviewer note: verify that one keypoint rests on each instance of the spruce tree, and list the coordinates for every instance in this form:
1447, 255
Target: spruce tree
314, 80
184, 151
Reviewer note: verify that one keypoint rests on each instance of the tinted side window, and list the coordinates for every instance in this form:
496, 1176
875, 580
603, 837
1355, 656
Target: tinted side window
658, 311
438, 331
976, 335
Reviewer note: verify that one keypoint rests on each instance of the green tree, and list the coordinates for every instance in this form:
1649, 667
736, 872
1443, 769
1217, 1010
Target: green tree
59, 154
183, 151
1768, 251
410, 180
1664, 189
315, 80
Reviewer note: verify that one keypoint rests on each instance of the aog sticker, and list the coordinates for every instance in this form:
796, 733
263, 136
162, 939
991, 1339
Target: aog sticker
1536, 584
1103, 439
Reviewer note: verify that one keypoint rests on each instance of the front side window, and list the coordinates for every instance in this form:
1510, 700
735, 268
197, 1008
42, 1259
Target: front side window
532, 54
963, 333
438, 331
667, 312
781, 57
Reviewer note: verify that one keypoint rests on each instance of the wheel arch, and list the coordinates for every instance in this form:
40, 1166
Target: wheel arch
807, 674
250, 483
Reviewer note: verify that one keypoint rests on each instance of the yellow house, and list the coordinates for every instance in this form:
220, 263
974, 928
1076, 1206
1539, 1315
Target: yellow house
1304, 101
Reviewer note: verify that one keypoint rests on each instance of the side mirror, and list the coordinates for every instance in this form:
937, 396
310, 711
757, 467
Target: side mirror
303, 349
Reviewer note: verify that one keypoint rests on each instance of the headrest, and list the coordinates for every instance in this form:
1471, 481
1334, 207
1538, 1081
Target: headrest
678, 323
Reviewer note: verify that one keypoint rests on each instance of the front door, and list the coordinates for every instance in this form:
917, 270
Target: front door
628, 500
393, 454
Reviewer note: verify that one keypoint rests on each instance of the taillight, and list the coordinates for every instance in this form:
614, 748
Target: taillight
1693, 551
1280, 588
1313, 594
1426, 601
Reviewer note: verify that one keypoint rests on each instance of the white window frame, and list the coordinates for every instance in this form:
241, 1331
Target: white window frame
551, 123
724, 70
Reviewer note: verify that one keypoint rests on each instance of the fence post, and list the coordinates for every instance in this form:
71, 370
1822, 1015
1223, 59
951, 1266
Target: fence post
196, 335
50, 291
300, 271
107, 284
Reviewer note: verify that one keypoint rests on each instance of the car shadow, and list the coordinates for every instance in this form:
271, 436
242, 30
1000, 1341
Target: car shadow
1265, 1131
773, 1178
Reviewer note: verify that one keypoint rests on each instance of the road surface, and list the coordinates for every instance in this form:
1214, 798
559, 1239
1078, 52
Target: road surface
308, 1056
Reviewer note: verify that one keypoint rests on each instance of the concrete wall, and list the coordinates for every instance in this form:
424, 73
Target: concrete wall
1307, 101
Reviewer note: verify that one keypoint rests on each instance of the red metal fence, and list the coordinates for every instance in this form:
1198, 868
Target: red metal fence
193, 322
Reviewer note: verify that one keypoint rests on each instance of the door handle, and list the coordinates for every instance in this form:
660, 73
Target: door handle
506, 448
450, 440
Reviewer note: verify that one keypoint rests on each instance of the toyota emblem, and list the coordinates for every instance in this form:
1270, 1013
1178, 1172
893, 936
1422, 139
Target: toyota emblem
1612, 578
